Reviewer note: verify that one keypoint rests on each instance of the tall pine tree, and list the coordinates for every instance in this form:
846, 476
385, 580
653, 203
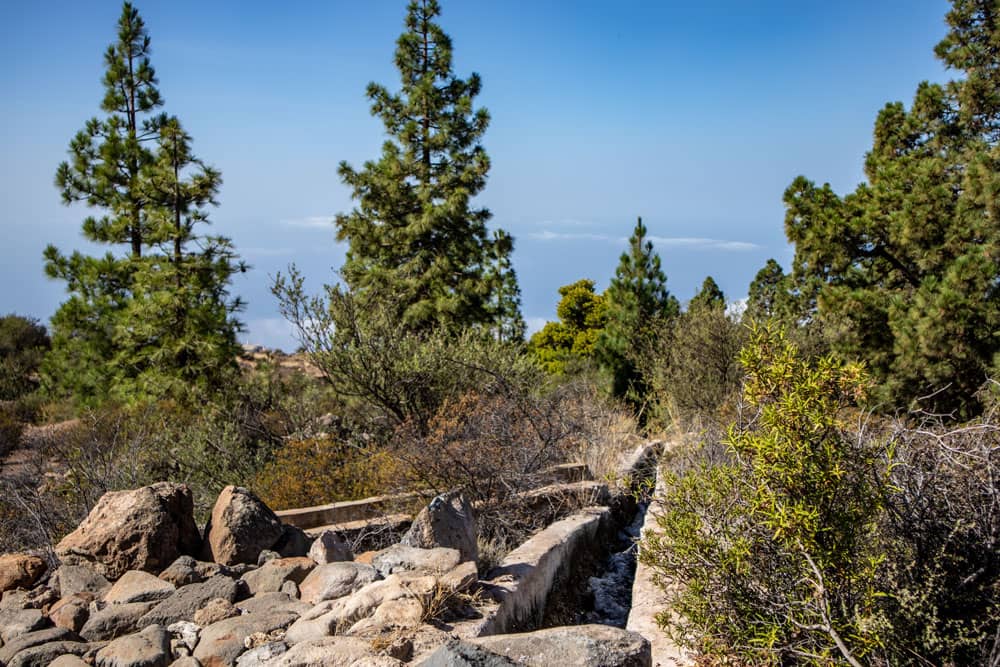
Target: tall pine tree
147, 316
638, 304
415, 238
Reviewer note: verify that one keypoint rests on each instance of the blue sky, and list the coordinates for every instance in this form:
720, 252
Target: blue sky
695, 116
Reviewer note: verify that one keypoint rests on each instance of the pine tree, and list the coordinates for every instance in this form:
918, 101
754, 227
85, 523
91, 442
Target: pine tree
908, 265
582, 316
153, 317
709, 296
177, 333
638, 303
415, 237
509, 324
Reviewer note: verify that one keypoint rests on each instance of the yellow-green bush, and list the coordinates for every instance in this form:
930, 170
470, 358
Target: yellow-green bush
319, 470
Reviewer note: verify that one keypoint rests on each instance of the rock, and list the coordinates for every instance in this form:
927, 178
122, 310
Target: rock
293, 543
20, 571
184, 602
14, 599
221, 643
36, 638
72, 579
71, 612
402, 558
460, 578
68, 661
462, 654
44, 655
142, 529
186, 632
334, 580
272, 602
448, 521
115, 620
330, 547
186, 661
41, 597
186, 570
269, 577
401, 648
214, 611
149, 648
267, 555
17, 622
290, 588
240, 528
262, 655
325, 652
390, 615
589, 645
326, 617
138, 586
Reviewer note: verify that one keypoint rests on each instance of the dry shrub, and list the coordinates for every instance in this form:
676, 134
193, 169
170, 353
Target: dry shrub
319, 470
495, 445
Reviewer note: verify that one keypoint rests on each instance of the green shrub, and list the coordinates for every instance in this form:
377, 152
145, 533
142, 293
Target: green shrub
10, 428
23, 344
771, 551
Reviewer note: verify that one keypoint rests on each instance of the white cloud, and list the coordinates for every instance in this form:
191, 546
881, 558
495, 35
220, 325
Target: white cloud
669, 241
708, 244
321, 221
567, 222
549, 235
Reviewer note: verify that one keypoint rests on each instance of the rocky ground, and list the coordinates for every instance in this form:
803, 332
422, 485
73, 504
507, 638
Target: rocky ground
139, 585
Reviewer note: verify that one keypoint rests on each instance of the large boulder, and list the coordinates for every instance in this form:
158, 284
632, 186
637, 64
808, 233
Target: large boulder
330, 547
142, 529
114, 620
72, 611
36, 638
448, 521
17, 622
269, 577
72, 579
240, 528
20, 571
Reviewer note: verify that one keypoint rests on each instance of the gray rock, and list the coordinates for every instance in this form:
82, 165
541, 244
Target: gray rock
138, 586
448, 521
14, 599
115, 620
182, 605
262, 655
72, 579
402, 558
290, 588
585, 645
17, 622
330, 547
187, 570
36, 638
149, 648
293, 543
462, 654
271, 575
334, 580
46, 654
222, 643
240, 528
187, 661
142, 529
267, 602
267, 555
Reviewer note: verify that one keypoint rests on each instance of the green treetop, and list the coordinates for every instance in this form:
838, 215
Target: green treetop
908, 265
582, 315
709, 296
415, 237
638, 303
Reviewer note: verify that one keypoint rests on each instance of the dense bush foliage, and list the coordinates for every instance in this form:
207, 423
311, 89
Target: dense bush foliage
822, 538
23, 343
